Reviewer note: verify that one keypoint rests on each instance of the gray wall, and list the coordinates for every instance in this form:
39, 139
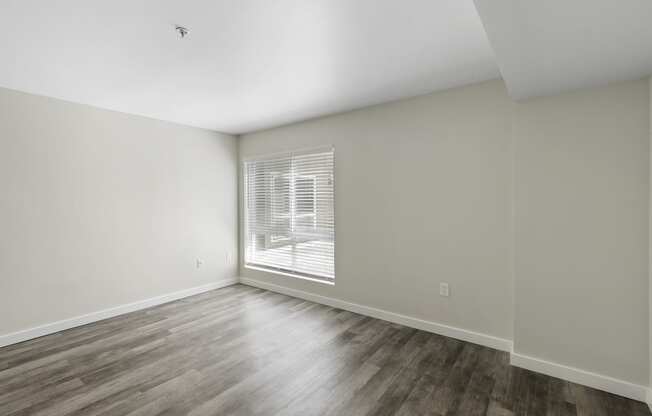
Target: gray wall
536, 210
99, 209
582, 189
422, 196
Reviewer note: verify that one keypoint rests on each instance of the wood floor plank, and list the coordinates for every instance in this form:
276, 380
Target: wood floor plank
246, 351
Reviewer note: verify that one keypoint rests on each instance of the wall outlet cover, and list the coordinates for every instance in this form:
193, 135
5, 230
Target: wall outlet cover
444, 289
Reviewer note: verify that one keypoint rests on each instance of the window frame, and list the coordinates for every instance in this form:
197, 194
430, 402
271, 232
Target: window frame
245, 240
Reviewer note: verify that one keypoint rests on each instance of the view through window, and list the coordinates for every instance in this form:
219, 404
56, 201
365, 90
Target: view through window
289, 213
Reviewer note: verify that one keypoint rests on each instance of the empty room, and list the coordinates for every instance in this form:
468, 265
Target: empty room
325, 207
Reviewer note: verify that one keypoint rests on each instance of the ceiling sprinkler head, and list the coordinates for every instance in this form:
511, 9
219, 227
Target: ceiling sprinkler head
182, 31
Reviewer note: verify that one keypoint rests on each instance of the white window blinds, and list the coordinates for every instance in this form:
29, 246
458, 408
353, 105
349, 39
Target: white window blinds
289, 213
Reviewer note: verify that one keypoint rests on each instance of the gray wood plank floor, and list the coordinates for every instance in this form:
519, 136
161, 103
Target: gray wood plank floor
246, 351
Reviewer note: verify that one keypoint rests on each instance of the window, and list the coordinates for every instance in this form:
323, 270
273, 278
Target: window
289, 214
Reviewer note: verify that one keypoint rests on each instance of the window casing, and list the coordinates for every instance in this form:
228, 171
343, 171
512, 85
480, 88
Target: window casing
289, 214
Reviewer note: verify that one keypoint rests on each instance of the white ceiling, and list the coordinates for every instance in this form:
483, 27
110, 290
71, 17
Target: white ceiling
246, 64
545, 47
252, 64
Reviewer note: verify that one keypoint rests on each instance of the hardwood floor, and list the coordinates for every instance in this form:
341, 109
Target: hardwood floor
246, 351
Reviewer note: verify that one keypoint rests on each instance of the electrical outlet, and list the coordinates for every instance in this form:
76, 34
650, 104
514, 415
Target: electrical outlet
199, 263
444, 290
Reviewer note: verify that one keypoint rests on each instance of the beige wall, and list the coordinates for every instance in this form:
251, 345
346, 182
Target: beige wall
423, 196
443, 187
582, 189
99, 209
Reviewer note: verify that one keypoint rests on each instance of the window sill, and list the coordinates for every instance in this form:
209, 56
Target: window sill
287, 274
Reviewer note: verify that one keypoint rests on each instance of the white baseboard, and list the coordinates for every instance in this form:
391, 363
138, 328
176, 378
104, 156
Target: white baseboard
434, 327
51, 328
575, 375
586, 378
